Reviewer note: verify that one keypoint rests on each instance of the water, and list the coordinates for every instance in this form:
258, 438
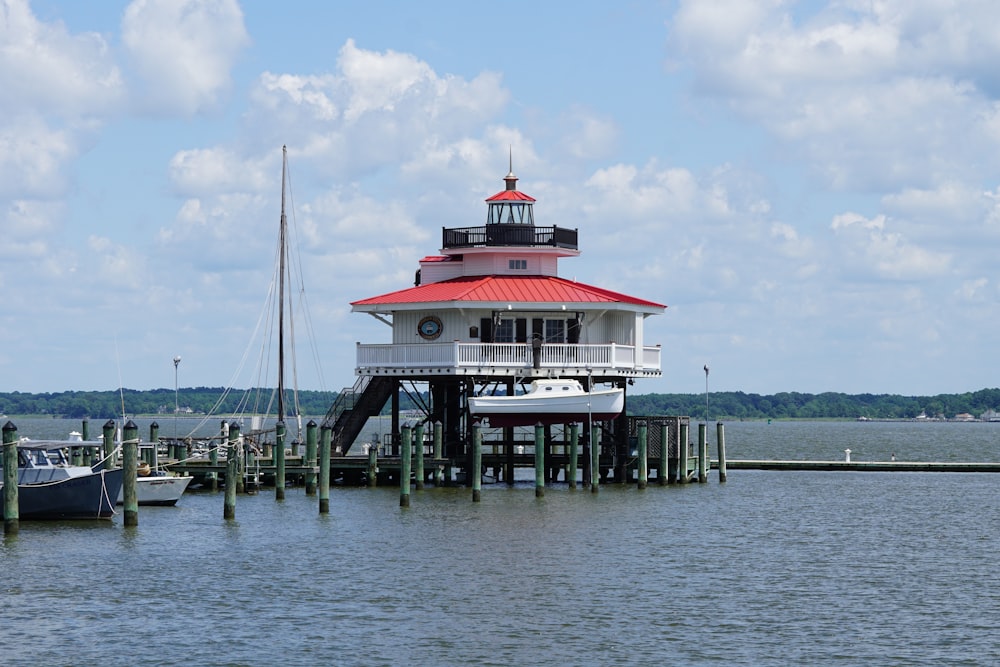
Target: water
771, 568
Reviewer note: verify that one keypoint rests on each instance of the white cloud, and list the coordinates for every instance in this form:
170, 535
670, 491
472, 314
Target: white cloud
875, 95
375, 110
46, 70
183, 50
869, 248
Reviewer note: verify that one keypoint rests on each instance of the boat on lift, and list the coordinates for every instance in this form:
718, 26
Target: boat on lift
549, 401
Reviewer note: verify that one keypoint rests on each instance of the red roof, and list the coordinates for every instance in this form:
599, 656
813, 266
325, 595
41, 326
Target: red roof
505, 289
510, 195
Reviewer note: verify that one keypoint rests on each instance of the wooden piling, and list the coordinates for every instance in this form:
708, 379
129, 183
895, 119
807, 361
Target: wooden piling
326, 433
11, 507
702, 453
477, 463
130, 463
418, 443
574, 452
232, 459
438, 452
108, 452
643, 462
662, 474
279, 461
88, 452
404, 467
154, 441
213, 456
682, 454
311, 432
372, 466
595, 458
539, 460
720, 436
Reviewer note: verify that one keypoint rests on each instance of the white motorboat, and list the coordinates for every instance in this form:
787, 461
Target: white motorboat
549, 401
156, 487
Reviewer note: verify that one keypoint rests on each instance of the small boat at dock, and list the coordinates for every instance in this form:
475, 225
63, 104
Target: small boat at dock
549, 401
49, 487
158, 487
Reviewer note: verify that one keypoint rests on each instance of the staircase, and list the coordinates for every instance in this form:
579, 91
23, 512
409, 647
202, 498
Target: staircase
354, 405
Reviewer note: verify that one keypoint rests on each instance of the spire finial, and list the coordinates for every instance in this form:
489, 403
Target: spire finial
510, 179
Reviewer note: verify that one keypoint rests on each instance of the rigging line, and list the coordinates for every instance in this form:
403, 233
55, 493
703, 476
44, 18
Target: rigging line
297, 264
121, 390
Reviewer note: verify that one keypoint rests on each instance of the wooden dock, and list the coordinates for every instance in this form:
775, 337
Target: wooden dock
860, 466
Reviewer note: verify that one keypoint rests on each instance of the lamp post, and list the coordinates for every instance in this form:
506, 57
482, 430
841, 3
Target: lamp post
177, 362
706, 394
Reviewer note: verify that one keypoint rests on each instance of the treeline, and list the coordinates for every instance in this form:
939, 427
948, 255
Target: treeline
197, 401
720, 405
829, 405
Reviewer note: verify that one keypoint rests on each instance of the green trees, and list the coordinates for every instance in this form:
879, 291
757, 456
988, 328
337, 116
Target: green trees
721, 405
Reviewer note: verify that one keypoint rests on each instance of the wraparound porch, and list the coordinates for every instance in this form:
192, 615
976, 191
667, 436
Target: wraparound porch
457, 358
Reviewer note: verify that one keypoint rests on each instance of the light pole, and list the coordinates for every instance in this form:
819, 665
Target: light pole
177, 362
706, 395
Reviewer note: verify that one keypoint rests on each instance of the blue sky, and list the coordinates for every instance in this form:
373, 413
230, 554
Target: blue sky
811, 187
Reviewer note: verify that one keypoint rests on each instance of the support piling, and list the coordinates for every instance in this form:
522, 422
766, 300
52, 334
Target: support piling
418, 443
438, 452
404, 467
108, 453
662, 475
311, 431
326, 434
539, 460
373, 466
229, 505
130, 484
11, 509
279, 461
477, 463
702, 453
574, 447
683, 448
720, 436
643, 462
595, 458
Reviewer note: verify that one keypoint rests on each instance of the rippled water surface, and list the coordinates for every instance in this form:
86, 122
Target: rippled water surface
770, 568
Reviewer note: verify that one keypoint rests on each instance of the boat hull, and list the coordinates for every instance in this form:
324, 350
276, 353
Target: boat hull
156, 490
538, 408
79, 497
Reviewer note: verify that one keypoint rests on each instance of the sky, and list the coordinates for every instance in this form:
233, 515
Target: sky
812, 188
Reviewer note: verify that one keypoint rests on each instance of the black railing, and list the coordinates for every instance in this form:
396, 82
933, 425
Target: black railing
509, 235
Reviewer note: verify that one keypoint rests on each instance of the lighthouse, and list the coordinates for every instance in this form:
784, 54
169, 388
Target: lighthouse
489, 313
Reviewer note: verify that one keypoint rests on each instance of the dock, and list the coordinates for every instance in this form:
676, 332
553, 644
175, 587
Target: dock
860, 466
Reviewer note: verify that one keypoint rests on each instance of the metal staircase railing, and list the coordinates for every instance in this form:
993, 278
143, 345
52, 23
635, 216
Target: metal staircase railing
350, 412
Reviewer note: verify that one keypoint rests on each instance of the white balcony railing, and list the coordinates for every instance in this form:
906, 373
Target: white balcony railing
476, 357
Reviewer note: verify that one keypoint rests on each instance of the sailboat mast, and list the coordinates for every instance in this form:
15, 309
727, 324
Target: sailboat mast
281, 292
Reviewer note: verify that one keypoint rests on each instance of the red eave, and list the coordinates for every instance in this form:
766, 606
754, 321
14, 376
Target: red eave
509, 289
435, 258
510, 195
